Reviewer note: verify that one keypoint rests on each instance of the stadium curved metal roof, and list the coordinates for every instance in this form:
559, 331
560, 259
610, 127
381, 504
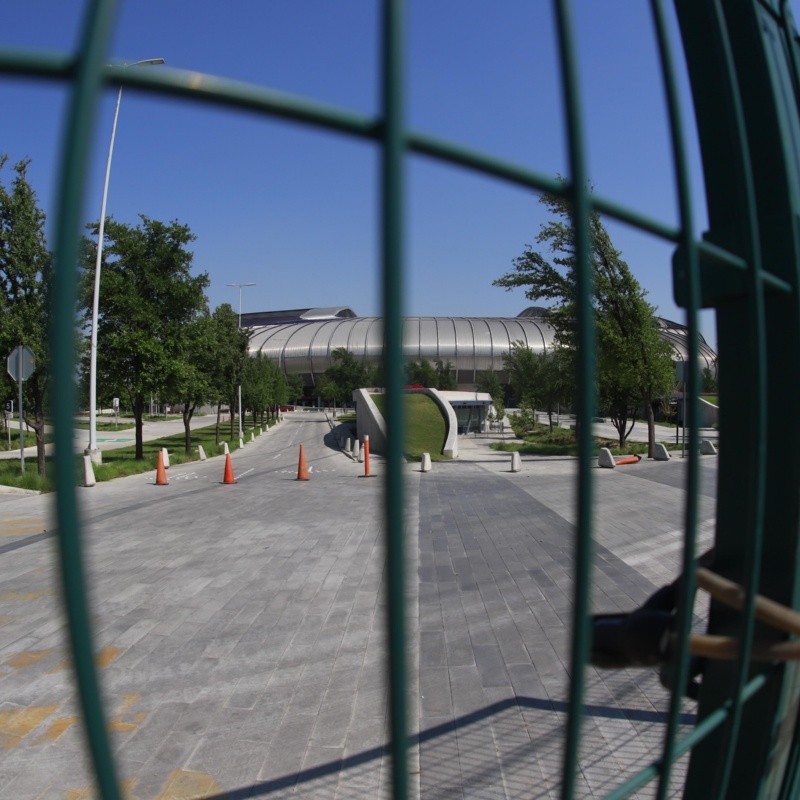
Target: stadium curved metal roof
302, 342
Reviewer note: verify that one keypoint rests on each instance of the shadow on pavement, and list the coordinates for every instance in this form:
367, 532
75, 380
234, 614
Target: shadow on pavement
429, 734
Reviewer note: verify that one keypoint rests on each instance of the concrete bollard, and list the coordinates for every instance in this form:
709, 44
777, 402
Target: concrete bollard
516, 462
241, 443
660, 452
358, 451
252, 436
201, 453
425, 464
605, 459
88, 472
225, 449
166, 457
707, 448
348, 446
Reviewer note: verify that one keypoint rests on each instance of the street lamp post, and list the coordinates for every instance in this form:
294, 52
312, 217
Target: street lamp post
240, 286
92, 450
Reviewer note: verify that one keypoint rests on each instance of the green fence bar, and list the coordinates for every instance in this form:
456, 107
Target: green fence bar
392, 248
680, 665
74, 159
744, 69
581, 210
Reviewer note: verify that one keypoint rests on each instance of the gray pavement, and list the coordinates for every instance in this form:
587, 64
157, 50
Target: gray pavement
239, 628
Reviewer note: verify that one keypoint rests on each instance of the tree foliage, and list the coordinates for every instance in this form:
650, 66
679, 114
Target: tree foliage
264, 386
489, 382
634, 364
25, 278
539, 380
436, 375
346, 374
227, 364
149, 302
421, 373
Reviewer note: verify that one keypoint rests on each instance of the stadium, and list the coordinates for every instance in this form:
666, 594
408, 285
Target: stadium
301, 341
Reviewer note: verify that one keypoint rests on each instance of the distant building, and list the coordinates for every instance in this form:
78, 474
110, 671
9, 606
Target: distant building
301, 340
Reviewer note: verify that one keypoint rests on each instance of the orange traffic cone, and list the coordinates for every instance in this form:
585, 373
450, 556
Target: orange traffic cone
302, 467
161, 473
228, 476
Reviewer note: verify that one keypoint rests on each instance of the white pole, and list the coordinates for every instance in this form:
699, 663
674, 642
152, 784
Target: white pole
21, 432
92, 451
239, 388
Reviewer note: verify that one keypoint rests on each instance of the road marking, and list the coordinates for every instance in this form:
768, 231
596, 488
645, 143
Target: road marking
24, 597
17, 724
27, 658
188, 783
20, 527
102, 659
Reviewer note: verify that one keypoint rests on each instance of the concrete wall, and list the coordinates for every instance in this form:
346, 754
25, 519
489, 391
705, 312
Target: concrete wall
708, 413
450, 448
369, 421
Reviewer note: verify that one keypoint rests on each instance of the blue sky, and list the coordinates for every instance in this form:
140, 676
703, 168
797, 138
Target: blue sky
293, 209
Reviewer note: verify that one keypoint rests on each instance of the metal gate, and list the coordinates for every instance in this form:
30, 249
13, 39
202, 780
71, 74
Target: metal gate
744, 65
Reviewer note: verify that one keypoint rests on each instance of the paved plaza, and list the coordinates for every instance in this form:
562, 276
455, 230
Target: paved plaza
239, 628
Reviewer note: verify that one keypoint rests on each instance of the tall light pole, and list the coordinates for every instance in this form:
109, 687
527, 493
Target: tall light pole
92, 450
240, 286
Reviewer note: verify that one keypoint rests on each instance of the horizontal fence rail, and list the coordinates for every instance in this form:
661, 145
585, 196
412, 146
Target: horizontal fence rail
745, 267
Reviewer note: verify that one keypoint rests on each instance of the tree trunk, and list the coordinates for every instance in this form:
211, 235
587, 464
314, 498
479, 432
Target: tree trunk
138, 415
39, 428
188, 412
651, 427
219, 418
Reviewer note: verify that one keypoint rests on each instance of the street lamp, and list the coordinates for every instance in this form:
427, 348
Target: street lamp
240, 286
92, 450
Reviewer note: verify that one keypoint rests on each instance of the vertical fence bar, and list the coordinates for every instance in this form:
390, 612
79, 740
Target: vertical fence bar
73, 169
754, 542
723, 61
392, 155
579, 198
679, 673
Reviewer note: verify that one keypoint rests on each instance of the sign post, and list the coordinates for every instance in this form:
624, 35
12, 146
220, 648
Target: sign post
9, 414
21, 364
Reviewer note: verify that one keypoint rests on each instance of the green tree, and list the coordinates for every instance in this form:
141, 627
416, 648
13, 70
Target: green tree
633, 360
348, 373
489, 382
227, 351
192, 376
422, 373
445, 376
148, 300
330, 390
294, 387
25, 278
523, 367
264, 386
709, 381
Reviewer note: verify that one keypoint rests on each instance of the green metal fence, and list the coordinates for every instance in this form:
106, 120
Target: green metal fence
744, 66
